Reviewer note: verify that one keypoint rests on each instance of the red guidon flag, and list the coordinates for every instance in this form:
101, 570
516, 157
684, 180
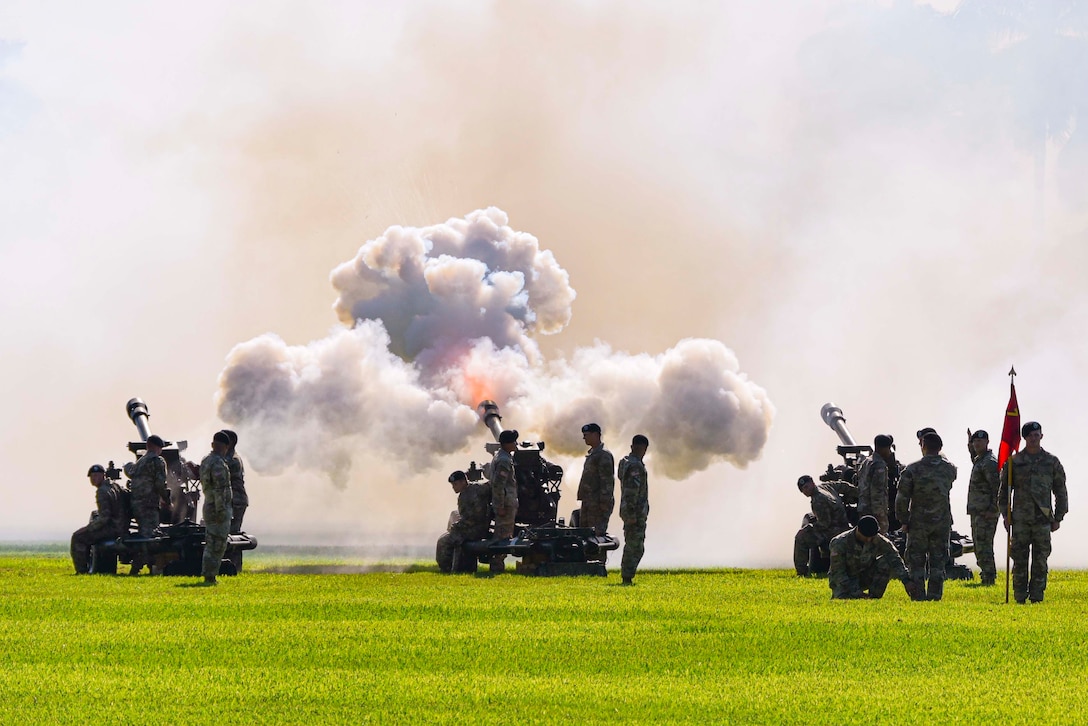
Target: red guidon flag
1010, 435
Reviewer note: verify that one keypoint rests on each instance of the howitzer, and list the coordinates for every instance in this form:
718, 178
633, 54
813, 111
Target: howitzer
177, 547
545, 544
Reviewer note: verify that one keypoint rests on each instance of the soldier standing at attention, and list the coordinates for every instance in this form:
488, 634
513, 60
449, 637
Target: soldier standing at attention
863, 561
239, 500
923, 507
473, 512
215, 482
148, 486
634, 507
108, 524
1040, 502
597, 488
828, 519
873, 482
982, 503
504, 493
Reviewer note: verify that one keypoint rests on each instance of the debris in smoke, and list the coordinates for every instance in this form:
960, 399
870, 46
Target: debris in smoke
442, 317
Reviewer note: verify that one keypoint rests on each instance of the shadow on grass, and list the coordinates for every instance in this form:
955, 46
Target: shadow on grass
343, 569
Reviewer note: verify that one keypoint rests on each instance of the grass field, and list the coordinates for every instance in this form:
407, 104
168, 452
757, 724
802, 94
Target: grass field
732, 646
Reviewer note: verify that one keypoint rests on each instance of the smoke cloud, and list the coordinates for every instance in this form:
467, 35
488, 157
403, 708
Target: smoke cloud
443, 317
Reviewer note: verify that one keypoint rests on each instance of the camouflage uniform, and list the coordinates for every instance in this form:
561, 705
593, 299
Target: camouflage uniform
873, 490
148, 487
473, 510
597, 489
215, 482
504, 493
858, 566
634, 508
239, 501
108, 524
923, 505
1040, 498
827, 520
982, 508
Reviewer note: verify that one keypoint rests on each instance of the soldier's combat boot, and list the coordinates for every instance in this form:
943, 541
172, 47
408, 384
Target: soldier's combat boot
498, 565
936, 588
989, 580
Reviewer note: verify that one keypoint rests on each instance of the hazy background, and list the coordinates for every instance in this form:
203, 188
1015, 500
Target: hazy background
878, 204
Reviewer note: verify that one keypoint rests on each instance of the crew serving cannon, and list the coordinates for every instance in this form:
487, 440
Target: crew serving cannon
545, 544
177, 547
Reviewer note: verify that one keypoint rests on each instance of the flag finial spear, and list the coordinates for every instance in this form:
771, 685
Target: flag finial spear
1012, 371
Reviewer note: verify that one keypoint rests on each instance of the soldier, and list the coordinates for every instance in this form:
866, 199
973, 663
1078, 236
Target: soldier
148, 486
862, 563
239, 500
828, 519
923, 507
597, 488
1039, 504
504, 493
634, 506
215, 482
873, 481
107, 523
982, 503
473, 518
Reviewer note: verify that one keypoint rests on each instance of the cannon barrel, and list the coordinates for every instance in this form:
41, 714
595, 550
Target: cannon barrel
833, 417
488, 411
137, 411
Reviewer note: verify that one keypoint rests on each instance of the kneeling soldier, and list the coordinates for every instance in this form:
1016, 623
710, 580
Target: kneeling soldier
473, 518
107, 523
862, 563
828, 519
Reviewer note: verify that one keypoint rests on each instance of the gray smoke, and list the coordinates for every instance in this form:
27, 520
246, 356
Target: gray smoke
443, 317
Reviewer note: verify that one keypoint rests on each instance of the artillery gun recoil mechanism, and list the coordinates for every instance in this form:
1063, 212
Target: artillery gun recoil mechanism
545, 544
853, 454
177, 547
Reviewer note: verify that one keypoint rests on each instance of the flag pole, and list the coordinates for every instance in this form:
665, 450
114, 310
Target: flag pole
1008, 501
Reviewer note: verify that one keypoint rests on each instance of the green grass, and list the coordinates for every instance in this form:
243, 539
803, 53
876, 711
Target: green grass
418, 647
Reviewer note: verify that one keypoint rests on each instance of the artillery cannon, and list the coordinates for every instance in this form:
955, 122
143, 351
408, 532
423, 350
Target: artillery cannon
545, 544
177, 547
853, 454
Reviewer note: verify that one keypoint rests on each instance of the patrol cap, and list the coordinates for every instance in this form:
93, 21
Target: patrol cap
868, 526
591, 428
232, 436
221, 438
1030, 427
805, 479
155, 440
882, 441
922, 432
96, 469
980, 434
456, 476
509, 437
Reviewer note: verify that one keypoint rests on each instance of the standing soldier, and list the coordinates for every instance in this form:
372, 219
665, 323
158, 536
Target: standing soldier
239, 500
148, 486
982, 503
873, 482
215, 481
828, 519
923, 506
863, 561
473, 517
108, 522
634, 506
1039, 503
597, 488
504, 493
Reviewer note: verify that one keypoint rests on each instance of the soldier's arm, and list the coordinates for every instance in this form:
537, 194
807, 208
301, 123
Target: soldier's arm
848, 491
630, 486
1061, 493
102, 501
992, 478
889, 555
1003, 488
902, 497
160, 478
607, 474
221, 475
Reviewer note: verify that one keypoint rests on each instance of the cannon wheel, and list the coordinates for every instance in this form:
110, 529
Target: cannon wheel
103, 563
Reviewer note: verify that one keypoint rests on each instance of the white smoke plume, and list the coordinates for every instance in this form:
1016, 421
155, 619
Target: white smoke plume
443, 317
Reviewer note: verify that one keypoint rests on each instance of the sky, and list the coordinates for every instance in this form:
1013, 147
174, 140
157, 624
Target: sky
870, 203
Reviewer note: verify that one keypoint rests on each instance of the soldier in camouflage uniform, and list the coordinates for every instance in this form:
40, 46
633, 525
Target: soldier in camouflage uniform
597, 488
982, 503
215, 483
473, 519
108, 522
923, 507
239, 500
872, 482
148, 486
828, 519
634, 506
863, 561
504, 492
1040, 501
